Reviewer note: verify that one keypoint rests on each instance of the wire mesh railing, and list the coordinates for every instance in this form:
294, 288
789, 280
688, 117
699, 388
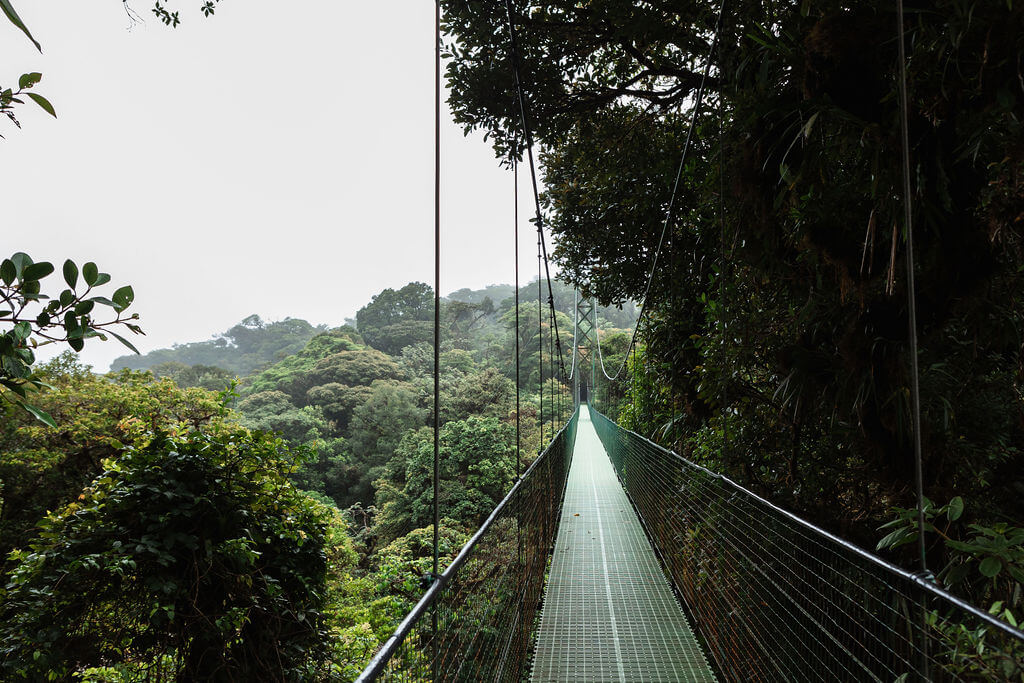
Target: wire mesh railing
777, 598
478, 619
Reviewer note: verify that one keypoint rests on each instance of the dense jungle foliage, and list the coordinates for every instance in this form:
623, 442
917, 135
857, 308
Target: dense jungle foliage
254, 506
195, 522
775, 345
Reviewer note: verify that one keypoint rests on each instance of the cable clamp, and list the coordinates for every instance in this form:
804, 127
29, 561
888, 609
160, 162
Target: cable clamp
925, 575
428, 579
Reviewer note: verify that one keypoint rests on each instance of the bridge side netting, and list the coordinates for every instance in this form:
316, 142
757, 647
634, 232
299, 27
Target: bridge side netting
478, 621
779, 599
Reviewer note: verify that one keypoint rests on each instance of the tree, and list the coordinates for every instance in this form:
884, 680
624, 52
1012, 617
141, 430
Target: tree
396, 319
207, 377
190, 555
247, 347
292, 374
477, 457
776, 343
43, 468
376, 428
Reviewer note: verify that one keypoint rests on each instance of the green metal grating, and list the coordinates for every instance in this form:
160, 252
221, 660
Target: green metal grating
609, 613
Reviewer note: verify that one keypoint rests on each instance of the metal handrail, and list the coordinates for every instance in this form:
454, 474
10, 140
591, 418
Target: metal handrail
927, 585
376, 666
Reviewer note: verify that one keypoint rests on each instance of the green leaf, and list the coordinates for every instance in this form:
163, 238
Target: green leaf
40, 414
28, 80
124, 341
897, 538
90, 272
77, 344
7, 271
43, 102
43, 319
990, 566
101, 279
37, 271
21, 261
13, 17
70, 273
84, 307
123, 298
956, 509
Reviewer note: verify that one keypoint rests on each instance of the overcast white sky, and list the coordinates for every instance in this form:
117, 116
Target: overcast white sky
274, 159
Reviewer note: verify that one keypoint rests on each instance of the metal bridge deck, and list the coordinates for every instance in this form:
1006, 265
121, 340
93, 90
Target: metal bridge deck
609, 613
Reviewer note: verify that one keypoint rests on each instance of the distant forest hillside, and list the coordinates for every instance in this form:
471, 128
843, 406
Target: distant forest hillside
245, 348
254, 344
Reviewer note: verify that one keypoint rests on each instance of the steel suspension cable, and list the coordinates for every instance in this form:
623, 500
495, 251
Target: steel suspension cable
911, 294
915, 388
540, 343
724, 257
528, 137
515, 214
437, 292
698, 100
555, 404
575, 336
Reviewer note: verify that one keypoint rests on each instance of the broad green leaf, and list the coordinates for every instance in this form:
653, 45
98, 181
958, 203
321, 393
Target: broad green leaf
101, 279
43, 319
13, 17
990, 566
124, 341
123, 297
89, 273
77, 344
897, 538
43, 102
7, 271
66, 297
40, 414
84, 307
102, 300
21, 261
37, 271
28, 80
70, 273
956, 508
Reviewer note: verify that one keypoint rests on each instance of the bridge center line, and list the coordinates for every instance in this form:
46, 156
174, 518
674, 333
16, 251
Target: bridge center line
607, 582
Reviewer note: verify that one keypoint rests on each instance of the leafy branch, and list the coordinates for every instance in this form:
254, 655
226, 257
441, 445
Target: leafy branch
10, 97
35, 319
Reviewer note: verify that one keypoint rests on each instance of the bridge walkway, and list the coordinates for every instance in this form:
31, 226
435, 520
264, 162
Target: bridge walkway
609, 613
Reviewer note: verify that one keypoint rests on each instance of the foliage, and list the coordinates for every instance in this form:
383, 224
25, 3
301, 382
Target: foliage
43, 468
985, 562
477, 457
9, 97
207, 377
190, 554
247, 347
35, 319
294, 374
395, 319
776, 344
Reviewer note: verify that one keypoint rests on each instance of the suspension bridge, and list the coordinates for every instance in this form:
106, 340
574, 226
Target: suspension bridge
614, 559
